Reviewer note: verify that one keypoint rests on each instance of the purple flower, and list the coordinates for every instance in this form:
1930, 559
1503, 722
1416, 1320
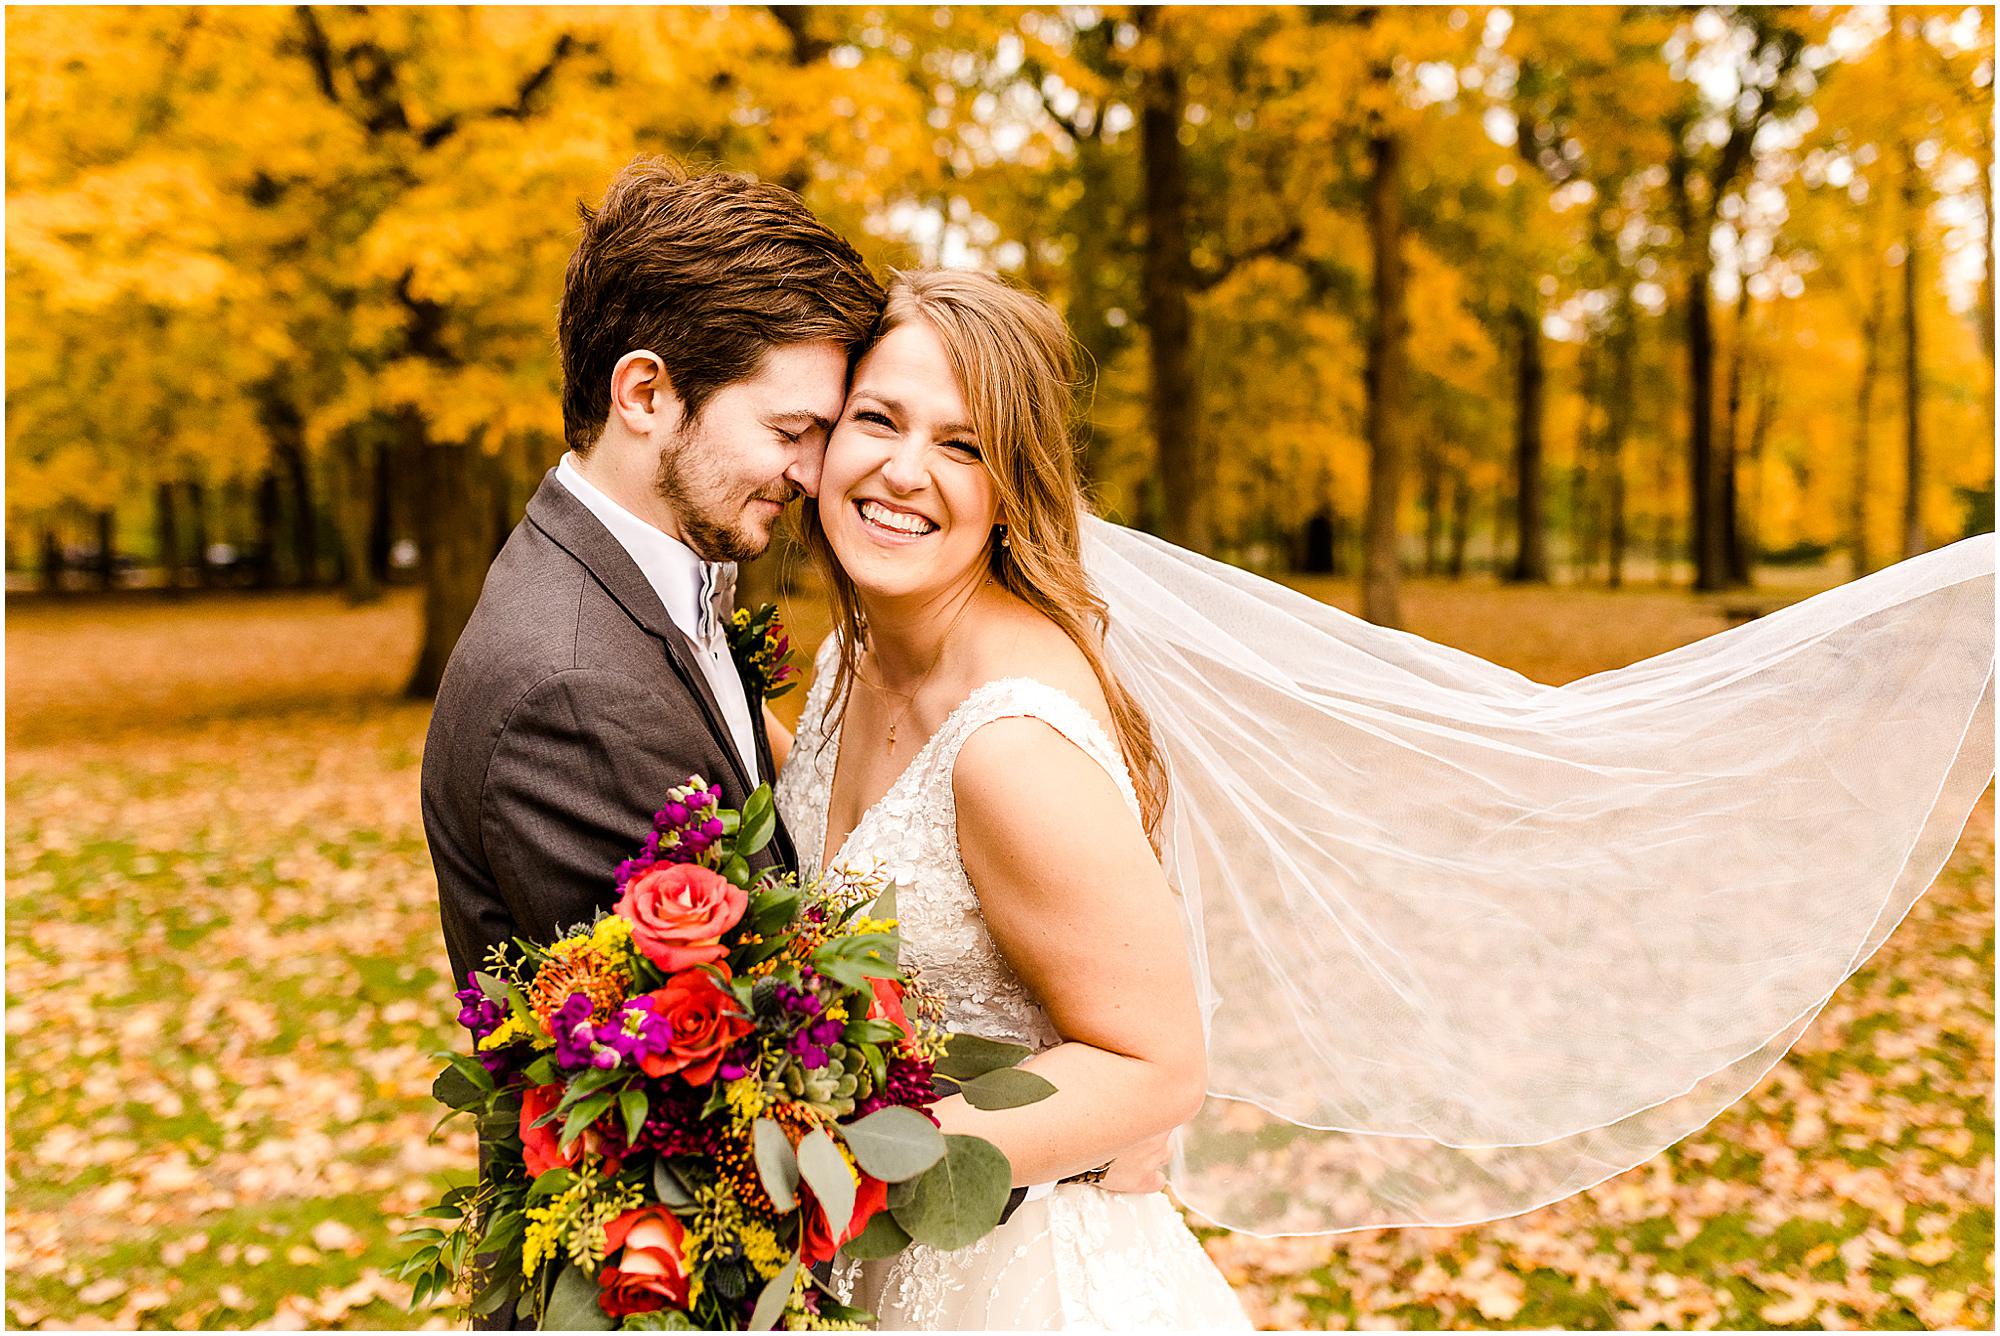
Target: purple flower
478, 1012
572, 1030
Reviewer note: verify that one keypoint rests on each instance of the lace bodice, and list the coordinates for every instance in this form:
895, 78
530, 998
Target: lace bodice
911, 834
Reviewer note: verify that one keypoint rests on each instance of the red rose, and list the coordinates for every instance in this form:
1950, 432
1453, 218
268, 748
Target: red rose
888, 1004
679, 912
643, 1270
541, 1147
818, 1244
705, 1022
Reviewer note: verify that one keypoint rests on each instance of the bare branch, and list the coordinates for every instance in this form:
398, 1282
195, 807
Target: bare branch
1281, 246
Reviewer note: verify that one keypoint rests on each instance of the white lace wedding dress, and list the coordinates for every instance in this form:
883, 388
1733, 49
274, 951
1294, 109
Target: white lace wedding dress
1080, 1258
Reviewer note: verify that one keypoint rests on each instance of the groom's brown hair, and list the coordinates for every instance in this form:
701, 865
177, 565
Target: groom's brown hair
710, 271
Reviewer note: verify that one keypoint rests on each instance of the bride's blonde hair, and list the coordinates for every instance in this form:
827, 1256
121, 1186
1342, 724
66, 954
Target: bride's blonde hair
1016, 367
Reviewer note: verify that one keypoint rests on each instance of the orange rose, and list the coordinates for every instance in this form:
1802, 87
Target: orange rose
888, 1004
541, 1147
679, 912
818, 1244
705, 1022
643, 1270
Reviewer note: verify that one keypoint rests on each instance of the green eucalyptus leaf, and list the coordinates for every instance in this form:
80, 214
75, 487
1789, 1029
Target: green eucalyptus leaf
777, 1166
968, 1055
823, 1167
1006, 1088
882, 1237
885, 903
573, 1305
495, 989
959, 1199
671, 1188
771, 1303
894, 1144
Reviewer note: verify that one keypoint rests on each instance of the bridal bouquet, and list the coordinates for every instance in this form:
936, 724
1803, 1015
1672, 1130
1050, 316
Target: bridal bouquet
689, 1103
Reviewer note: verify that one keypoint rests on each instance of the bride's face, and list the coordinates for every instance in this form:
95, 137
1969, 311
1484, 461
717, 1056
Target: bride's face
904, 495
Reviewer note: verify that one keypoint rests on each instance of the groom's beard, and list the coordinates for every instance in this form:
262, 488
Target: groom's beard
712, 520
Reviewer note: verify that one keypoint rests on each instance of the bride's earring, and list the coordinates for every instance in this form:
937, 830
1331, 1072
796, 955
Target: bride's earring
1006, 539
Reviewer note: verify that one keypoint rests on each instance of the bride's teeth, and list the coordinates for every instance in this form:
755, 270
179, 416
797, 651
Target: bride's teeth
914, 525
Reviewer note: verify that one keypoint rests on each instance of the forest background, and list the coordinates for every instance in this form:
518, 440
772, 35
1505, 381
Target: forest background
1563, 334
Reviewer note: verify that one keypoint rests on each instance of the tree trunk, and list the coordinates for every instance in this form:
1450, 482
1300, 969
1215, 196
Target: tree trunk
355, 460
454, 533
1531, 552
107, 555
1584, 530
1985, 196
168, 535
1913, 449
52, 560
1860, 558
1617, 429
1728, 517
1433, 503
1387, 410
1704, 497
1169, 323
270, 519
197, 509
390, 465
1663, 528
305, 536
1749, 523
1461, 523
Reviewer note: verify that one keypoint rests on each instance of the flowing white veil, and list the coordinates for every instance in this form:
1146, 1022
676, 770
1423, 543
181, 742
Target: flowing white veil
1466, 943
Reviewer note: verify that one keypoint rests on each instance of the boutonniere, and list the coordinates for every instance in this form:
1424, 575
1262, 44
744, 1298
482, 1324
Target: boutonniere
762, 650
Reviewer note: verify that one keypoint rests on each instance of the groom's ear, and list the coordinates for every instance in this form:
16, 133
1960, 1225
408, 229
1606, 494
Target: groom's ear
642, 397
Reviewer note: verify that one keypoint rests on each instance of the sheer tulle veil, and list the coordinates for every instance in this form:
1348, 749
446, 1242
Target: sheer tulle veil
1467, 943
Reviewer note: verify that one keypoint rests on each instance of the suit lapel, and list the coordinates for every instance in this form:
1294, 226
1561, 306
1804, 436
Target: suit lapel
571, 526
782, 840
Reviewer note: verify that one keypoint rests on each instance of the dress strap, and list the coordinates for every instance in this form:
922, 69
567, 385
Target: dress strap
1027, 697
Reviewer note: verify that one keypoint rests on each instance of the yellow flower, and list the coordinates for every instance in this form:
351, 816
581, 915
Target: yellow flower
746, 1097
510, 1030
862, 925
760, 1245
612, 934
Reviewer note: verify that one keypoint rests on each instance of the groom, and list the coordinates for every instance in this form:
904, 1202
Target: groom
706, 328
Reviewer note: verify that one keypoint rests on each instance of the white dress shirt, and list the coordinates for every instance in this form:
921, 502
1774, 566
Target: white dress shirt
675, 573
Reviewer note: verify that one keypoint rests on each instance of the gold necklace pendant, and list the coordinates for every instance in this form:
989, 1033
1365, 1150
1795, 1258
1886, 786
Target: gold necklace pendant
892, 738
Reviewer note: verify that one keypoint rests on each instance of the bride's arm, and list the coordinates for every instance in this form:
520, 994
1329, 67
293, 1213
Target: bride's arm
1077, 903
781, 742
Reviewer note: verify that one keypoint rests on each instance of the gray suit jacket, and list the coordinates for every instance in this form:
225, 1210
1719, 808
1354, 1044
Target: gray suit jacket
571, 704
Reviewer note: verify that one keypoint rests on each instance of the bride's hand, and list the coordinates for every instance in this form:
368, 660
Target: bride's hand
1141, 1167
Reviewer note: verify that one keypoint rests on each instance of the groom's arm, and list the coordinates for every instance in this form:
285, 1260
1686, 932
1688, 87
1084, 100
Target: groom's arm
582, 763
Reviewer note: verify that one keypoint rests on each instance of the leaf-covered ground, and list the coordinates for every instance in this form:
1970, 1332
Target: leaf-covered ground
224, 982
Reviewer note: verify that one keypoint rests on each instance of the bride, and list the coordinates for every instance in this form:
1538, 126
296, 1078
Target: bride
1442, 944
963, 732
